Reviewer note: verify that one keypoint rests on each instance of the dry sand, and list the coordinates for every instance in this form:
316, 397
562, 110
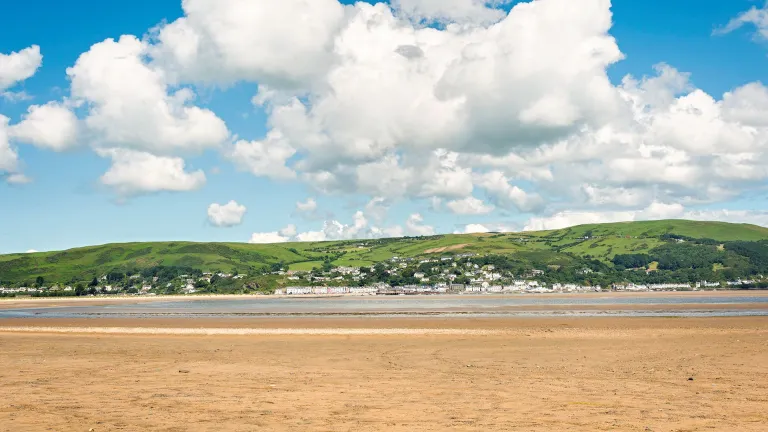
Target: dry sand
543, 374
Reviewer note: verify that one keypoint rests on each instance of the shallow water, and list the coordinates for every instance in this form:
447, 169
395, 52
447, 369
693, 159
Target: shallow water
411, 306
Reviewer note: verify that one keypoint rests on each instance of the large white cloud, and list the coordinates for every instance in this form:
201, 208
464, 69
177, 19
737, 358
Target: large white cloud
226, 215
401, 108
278, 42
577, 140
130, 104
53, 126
681, 145
523, 81
134, 172
18, 66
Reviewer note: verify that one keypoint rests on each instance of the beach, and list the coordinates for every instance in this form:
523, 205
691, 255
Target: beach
361, 374
369, 363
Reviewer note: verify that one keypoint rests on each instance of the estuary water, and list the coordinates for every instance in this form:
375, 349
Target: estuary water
587, 305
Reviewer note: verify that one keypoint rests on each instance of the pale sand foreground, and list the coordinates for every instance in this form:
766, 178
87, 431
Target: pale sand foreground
617, 374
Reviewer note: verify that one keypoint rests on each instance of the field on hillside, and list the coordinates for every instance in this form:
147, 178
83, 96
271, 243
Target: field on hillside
600, 242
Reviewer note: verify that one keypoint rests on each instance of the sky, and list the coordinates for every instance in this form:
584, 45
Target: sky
295, 120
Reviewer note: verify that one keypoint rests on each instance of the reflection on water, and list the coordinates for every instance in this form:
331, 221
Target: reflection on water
443, 306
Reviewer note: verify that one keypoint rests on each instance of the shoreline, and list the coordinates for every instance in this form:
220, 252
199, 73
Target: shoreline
14, 303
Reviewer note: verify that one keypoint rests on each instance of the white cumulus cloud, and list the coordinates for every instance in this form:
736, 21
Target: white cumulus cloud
134, 172
402, 103
130, 104
18, 66
226, 215
52, 126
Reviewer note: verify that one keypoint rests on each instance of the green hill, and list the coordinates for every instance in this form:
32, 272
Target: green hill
559, 247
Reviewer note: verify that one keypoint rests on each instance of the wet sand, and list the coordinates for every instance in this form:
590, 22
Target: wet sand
20, 303
541, 374
722, 303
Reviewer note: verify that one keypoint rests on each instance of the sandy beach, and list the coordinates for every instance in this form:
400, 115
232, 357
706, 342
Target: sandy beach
549, 374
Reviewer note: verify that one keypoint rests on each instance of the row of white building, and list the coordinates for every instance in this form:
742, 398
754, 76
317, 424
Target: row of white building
651, 287
676, 286
327, 290
531, 287
382, 289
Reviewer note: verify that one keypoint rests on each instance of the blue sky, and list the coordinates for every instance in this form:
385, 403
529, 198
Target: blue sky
66, 202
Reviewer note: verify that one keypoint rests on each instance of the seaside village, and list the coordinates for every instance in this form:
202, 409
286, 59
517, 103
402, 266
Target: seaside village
458, 275
446, 275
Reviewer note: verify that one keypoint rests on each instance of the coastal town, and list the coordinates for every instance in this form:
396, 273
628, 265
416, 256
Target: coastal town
457, 275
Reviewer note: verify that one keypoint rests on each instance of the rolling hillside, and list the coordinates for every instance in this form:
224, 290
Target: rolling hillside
600, 242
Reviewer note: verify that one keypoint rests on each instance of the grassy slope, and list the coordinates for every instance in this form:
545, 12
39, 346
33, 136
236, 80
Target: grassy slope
606, 241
